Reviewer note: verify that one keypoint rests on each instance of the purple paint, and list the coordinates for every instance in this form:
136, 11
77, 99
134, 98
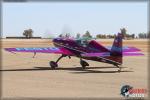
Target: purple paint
132, 54
41, 50
91, 50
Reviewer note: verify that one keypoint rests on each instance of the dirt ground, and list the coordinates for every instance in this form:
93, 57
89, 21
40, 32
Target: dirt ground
24, 76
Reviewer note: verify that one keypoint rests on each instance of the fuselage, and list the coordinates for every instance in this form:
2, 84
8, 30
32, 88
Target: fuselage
79, 47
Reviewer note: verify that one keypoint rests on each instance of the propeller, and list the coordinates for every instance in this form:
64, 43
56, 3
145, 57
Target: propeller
49, 34
66, 33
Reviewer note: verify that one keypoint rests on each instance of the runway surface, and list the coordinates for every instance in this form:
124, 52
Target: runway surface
24, 76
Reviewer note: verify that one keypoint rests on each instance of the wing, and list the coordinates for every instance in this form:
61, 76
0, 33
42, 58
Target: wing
41, 50
104, 54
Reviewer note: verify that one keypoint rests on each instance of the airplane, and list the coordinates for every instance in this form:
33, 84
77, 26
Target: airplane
85, 49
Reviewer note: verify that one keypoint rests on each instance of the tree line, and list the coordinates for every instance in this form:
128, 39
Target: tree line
125, 35
29, 33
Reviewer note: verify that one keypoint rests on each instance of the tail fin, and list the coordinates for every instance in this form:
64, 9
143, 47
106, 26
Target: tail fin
116, 50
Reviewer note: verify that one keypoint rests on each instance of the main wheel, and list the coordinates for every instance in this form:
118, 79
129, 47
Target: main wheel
53, 64
83, 64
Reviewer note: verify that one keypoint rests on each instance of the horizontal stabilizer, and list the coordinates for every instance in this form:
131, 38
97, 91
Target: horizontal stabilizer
106, 54
132, 54
127, 49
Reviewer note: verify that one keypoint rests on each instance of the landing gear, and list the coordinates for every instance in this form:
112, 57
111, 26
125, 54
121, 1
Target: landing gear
54, 64
83, 63
118, 67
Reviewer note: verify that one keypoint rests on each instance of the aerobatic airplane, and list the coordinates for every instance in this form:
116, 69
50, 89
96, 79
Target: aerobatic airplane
85, 49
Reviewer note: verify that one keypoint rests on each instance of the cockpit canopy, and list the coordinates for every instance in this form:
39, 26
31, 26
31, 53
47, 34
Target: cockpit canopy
83, 42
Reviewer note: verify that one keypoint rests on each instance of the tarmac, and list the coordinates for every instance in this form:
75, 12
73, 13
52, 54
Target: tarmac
24, 76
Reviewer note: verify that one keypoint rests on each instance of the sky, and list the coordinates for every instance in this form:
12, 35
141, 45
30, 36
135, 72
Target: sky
49, 19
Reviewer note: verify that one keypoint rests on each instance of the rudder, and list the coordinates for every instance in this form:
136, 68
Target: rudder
116, 50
